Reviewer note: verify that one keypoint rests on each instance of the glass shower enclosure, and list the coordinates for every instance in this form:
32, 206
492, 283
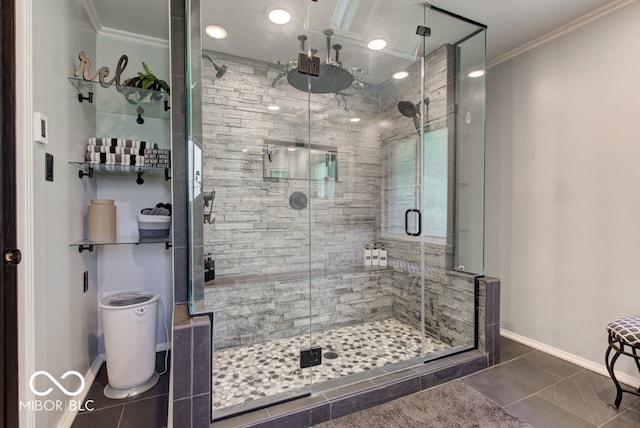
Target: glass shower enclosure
336, 180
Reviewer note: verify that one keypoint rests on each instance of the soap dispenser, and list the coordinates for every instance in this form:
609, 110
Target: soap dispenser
367, 256
375, 255
382, 255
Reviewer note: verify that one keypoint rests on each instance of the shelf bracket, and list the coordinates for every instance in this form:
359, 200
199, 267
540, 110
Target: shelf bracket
81, 248
166, 105
89, 98
167, 245
167, 177
89, 173
140, 120
139, 180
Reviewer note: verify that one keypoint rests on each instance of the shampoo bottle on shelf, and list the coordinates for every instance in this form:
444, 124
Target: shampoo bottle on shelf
367, 256
382, 253
375, 256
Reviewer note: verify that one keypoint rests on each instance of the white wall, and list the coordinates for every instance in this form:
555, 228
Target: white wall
65, 320
563, 192
148, 266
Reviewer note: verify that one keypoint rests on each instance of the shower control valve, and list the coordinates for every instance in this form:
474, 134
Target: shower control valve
270, 151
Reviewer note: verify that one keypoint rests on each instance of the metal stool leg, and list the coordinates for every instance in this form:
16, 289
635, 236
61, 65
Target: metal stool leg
610, 364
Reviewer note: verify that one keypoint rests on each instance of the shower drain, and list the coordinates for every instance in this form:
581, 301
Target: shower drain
331, 355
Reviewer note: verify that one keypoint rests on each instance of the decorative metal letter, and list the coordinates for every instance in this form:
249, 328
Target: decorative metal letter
85, 67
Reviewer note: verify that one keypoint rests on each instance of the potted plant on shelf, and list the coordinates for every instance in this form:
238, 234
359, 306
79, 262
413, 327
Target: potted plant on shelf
146, 84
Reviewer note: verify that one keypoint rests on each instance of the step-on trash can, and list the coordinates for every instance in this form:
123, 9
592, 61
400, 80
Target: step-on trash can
129, 325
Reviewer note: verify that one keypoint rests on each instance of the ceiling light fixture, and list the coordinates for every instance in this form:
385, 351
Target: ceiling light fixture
476, 73
400, 75
377, 44
273, 108
279, 16
216, 32
354, 119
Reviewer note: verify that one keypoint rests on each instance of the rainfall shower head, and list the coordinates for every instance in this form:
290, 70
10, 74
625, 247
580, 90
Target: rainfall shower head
220, 69
332, 77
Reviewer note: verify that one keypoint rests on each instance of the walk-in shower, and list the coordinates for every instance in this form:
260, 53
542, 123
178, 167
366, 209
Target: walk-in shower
347, 240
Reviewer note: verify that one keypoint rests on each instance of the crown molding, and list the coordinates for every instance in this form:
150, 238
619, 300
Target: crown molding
91, 12
114, 33
563, 29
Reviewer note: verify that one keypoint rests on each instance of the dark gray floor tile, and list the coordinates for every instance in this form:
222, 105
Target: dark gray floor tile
510, 349
149, 413
100, 401
105, 418
542, 414
510, 382
626, 419
551, 364
587, 394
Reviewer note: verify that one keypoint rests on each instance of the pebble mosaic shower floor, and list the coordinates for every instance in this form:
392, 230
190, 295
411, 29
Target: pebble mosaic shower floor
246, 373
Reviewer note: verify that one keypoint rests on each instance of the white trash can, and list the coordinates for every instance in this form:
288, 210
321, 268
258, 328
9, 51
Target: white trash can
129, 324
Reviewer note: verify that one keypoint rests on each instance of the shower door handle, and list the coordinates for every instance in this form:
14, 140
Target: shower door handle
406, 221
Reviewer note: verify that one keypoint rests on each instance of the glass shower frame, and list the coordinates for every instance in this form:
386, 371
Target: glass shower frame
197, 183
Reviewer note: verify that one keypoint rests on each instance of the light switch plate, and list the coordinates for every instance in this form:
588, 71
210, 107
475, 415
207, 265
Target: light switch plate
48, 166
40, 128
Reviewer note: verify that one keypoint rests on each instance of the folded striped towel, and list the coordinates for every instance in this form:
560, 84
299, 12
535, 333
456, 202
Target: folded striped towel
112, 149
122, 142
114, 159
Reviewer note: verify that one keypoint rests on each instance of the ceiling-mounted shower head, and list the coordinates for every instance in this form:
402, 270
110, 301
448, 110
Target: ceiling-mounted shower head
332, 78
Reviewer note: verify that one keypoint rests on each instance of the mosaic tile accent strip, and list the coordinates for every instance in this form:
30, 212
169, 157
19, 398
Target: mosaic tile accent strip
246, 373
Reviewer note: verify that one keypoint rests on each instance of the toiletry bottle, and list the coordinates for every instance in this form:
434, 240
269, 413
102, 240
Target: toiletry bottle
375, 255
382, 253
367, 256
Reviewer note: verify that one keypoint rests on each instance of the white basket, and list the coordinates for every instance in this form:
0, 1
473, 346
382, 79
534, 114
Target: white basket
153, 226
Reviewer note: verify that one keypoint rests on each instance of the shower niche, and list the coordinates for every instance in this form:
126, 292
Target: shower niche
300, 161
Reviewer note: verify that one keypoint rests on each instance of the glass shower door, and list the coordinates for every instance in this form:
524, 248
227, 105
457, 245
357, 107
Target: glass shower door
255, 163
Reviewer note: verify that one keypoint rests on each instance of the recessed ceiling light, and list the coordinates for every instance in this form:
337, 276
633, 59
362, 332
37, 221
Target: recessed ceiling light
400, 74
273, 108
377, 44
476, 73
279, 16
216, 32
292, 149
245, 150
354, 119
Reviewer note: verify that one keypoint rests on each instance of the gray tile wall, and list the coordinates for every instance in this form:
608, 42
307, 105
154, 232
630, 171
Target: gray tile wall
191, 367
489, 318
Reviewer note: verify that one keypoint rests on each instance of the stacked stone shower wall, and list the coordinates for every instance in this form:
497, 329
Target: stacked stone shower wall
256, 231
265, 309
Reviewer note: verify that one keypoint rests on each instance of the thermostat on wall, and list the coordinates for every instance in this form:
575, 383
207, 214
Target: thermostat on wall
40, 128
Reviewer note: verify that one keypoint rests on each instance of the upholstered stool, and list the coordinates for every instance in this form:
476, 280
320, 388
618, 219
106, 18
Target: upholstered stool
624, 339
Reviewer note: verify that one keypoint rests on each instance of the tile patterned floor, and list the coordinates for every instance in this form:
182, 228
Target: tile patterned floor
546, 391
246, 373
149, 409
